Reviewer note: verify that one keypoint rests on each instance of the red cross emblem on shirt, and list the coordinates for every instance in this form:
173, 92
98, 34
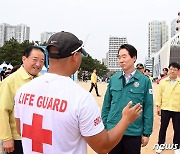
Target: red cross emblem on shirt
37, 134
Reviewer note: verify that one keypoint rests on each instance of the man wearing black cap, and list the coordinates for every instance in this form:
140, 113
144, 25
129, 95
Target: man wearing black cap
58, 116
140, 67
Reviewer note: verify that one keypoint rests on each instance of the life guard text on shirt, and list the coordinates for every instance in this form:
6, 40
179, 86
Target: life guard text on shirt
43, 102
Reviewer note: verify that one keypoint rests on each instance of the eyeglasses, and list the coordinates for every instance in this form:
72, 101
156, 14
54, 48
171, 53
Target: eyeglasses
171, 69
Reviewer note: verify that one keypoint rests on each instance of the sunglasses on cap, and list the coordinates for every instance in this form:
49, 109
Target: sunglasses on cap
80, 49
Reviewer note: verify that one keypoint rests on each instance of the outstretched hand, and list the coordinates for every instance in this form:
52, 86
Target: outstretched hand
131, 113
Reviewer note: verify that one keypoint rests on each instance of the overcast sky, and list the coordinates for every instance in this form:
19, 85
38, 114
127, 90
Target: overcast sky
91, 20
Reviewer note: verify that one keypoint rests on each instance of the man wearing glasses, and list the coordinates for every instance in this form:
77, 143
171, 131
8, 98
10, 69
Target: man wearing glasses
168, 105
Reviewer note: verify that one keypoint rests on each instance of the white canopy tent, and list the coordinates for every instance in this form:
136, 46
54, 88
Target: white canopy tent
4, 64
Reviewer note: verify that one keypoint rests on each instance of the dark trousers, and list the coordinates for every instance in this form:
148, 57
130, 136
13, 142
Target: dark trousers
128, 145
17, 147
96, 88
165, 117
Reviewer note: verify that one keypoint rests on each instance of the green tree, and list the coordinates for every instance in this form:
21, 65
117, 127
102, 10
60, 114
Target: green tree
26, 43
43, 44
12, 51
88, 65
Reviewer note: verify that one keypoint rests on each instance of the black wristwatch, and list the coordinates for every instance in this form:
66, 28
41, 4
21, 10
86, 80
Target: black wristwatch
146, 135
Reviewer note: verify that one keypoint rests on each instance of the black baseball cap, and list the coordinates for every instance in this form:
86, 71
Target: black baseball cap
139, 66
67, 44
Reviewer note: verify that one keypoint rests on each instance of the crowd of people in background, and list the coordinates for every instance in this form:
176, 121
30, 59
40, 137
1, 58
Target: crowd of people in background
4, 73
7, 71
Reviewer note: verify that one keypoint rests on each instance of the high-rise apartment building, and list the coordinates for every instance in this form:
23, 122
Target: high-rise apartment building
104, 61
111, 56
170, 51
20, 32
157, 36
2, 34
149, 64
45, 36
175, 26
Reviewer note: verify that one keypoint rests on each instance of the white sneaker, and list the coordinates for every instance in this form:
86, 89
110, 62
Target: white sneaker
159, 150
177, 151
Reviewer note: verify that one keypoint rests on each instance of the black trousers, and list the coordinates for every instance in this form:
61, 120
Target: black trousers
128, 145
96, 88
17, 147
165, 117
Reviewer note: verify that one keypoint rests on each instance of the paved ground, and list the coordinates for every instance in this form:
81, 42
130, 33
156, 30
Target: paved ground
154, 137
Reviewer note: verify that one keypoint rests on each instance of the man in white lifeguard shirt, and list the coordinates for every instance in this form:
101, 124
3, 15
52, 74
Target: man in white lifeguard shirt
54, 115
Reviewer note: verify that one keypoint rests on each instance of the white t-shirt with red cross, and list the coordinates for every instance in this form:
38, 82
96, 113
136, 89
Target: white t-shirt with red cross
55, 113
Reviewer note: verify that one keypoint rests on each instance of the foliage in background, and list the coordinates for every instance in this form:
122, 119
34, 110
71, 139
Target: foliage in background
88, 65
12, 51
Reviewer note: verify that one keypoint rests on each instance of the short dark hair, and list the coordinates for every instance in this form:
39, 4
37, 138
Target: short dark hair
165, 69
28, 50
175, 65
131, 50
